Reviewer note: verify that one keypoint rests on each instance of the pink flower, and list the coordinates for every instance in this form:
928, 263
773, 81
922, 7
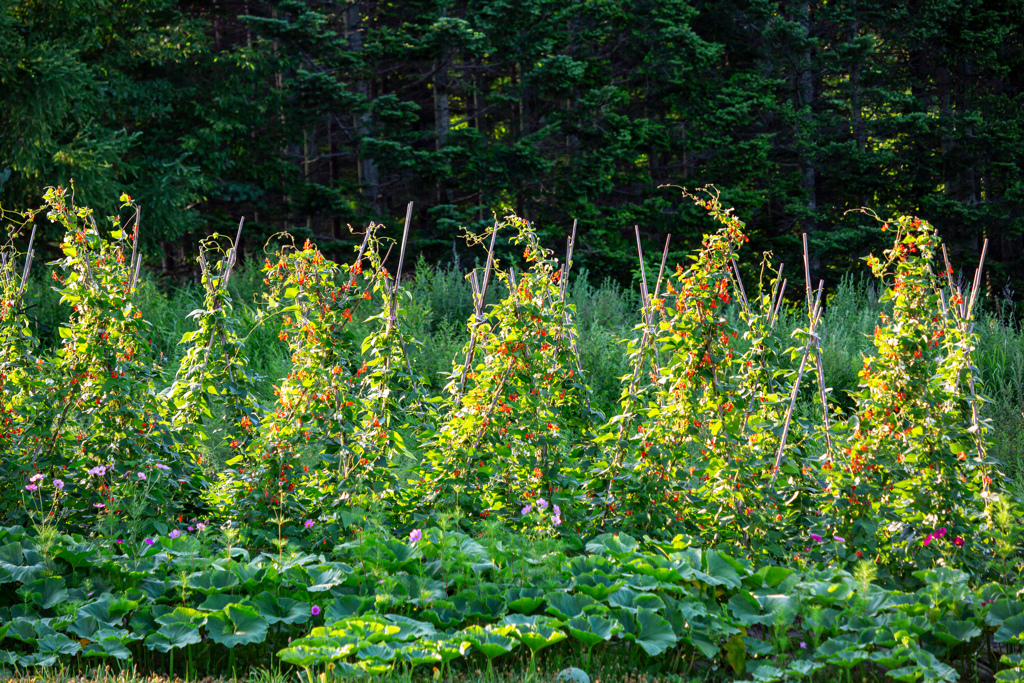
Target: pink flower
98, 505
928, 539
148, 541
37, 477
31, 487
817, 538
839, 539
415, 535
58, 484
308, 523
174, 533
958, 542
142, 475
542, 504
556, 520
941, 532
161, 466
315, 611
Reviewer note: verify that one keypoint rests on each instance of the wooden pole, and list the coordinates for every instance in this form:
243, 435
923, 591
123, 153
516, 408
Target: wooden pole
393, 313
28, 262
233, 255
479, 308
815, 317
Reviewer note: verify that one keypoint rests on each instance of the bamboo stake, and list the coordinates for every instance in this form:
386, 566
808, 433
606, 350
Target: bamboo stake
393, 313
739, 281
818, 364
28, 262
233, 256
479, 308
953, 291
570, 245
815, 317
135, 237
661, 270
807, 271
778, 305
977, 280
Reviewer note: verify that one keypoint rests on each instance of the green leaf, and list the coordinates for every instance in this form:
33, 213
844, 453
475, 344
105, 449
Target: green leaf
237, 625
57, 644
490, 644
953, 631
597, 586
1011, 630
736, 653
592, 630
654, 633
525, 600
214, 581
567, 606
171, 636
281, 610
45, 593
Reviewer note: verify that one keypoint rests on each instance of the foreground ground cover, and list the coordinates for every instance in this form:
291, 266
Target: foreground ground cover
733, 514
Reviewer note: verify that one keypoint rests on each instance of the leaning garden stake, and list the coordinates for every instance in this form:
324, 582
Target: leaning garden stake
815, 318
478, 309
818, 365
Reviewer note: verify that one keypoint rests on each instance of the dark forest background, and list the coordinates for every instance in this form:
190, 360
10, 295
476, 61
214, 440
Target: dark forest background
308, 116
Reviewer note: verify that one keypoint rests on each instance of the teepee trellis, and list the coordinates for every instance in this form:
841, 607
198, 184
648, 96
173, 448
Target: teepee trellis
818, 364
479, 292
815, 317
962, 313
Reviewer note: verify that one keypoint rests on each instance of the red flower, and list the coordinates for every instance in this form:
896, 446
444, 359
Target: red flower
958, 542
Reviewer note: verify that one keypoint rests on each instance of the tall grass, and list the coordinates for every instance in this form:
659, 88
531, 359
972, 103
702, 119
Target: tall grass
436, 316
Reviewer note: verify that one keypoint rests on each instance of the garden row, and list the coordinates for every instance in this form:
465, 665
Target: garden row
707, 444
186, 602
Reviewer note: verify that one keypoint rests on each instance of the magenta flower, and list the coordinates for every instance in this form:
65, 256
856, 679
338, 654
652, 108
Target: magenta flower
148, 541
58, 484
314, 610
941, 532
817, 538
31, 487
98, 505
958, 542
161, 466
37, 477
415, 535
928, 539
142, 475
308, 523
